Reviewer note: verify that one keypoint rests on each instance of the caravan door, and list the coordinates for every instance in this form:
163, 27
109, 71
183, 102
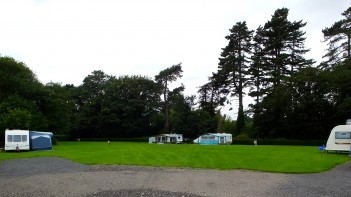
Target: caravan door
221, 140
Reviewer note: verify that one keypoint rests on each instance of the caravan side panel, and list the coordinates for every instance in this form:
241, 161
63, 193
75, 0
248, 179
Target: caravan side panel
16, 138
179, 138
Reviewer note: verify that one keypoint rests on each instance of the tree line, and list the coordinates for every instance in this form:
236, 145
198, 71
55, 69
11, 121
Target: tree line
102, 106
294, 98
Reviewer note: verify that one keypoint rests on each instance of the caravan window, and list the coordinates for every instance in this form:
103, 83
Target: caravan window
17, 138
24, 138
208, 137
342, 135
9, 138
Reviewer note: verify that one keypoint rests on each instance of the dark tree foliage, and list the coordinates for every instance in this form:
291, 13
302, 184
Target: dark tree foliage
59, 107
211, 95
278, 55
179, 108
21, 97
312, 112
16, 78
129, 107
340, 90
199, 122
301, 108
184, 119
257, 68
111, 107
89, 103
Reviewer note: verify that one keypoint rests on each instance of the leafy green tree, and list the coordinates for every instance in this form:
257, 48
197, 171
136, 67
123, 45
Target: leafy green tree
270, 120
311, 114
229, 125
234, 64
17, 119
180, 108
164, 78
21, 93
58, 107
185, 119
14, 119
16, 78
300, 108
130, 107
340, 90
338, 37
343, 111
89, 98
199, 122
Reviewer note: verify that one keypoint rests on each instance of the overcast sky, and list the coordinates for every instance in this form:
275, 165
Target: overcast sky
65, 40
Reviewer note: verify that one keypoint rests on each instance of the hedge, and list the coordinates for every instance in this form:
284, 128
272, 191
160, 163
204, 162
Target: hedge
235, 141
280, 142
142, 139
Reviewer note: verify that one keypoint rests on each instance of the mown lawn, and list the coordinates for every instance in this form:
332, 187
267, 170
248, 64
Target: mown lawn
287, 159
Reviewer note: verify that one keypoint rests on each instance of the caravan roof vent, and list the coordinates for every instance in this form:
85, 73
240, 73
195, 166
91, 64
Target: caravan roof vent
348, 122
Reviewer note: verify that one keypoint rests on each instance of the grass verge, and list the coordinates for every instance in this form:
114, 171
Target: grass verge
282, 159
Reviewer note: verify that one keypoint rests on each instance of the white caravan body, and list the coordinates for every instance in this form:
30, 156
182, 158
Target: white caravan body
167, 138
339, 139
17, 140
214, 138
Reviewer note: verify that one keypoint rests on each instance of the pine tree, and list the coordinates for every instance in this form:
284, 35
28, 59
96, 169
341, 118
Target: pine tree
277, 55
338, 37
283, 48
257, 68
234, 64
164, 78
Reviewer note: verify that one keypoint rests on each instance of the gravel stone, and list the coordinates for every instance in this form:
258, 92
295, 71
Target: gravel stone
141, 193
54, 176
39, 165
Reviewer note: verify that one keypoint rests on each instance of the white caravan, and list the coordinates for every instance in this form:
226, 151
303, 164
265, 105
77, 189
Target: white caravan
167, 138
339, 139
17, 140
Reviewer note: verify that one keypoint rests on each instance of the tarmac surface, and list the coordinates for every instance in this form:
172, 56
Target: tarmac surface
53, 176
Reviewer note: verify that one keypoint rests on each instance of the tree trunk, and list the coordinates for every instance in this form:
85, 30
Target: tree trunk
240, 124
349, 50
165, 96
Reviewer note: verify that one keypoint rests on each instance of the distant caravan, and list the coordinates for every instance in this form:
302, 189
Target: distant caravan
339, 139
19, 140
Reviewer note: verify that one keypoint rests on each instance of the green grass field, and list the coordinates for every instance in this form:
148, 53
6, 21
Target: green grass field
286, 159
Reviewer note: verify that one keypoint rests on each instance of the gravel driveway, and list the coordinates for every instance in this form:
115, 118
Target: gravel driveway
52, 176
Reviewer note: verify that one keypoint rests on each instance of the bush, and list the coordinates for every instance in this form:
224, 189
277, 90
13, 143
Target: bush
62, 138
242, 136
